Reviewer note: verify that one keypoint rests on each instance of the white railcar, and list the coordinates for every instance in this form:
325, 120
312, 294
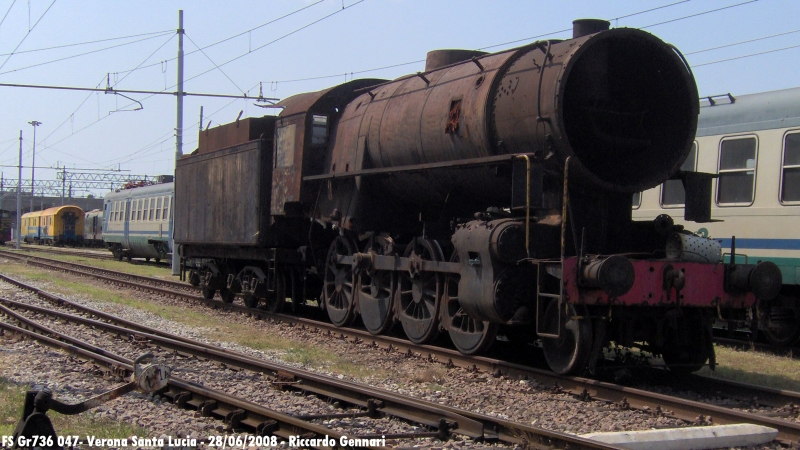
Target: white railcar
138, 222
753, 143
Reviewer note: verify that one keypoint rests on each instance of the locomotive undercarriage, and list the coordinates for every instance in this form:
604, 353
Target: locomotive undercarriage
422, 293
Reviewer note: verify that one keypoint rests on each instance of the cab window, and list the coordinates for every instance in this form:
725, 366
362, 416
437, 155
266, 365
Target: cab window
319, 130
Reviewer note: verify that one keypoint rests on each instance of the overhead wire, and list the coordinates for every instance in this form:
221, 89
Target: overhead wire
8, 11
172, 35
90, 42
27, 34
215, 64
280, 38
272, 21
73, 112
741, 42
240, 34
85, 53
150, 146
699, 14
552, 33
745, 56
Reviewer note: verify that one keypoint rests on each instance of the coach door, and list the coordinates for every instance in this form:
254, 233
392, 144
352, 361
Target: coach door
69, 219
127, 224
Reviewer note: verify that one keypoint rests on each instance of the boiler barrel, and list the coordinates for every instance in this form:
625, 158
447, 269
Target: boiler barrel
621, 102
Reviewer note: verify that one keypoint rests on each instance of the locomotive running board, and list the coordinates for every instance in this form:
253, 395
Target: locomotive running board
420, 167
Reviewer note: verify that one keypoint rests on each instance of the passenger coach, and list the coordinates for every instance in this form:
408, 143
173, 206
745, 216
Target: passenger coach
752, 142
93, 228
60, 225
138, 222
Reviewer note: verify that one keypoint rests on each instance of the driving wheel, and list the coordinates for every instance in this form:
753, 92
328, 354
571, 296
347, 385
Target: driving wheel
419, 292
376, 289
568, 353
338, 287
470, 336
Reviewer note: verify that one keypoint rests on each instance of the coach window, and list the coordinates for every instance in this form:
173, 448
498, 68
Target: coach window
737, 171
151, 203
139, 210
673, 194
158, 208
790, 184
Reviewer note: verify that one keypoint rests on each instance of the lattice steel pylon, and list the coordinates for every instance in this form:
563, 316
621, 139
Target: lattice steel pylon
66, 183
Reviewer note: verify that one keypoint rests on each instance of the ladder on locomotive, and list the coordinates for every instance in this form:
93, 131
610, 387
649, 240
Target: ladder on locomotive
550, 269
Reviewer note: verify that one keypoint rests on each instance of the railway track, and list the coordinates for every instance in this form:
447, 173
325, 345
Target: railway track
96, 254
743, 343
374, 402
579, 387
235, 411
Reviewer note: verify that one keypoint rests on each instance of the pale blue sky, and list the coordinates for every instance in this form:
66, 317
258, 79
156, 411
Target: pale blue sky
79, 130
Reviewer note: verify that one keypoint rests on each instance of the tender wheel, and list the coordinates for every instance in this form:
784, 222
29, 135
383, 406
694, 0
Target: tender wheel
569, 353
376, 290
276, 299
419, 293
338, 287
157, 260
227, 295
194, 278
208, 292
117, 254
470, 336
783, 328
147, 259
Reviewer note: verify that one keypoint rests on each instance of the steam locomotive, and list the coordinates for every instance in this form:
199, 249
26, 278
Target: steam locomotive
488, 195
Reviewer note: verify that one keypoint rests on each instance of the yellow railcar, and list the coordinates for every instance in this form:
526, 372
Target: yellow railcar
60, 225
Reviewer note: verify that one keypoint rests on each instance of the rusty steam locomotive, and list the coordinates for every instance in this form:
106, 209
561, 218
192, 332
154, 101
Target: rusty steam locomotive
490, 194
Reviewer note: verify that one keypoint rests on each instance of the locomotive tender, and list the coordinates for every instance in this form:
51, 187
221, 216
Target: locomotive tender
488, 195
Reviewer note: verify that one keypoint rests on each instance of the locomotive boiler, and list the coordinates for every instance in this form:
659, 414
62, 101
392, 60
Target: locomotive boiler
489, 194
